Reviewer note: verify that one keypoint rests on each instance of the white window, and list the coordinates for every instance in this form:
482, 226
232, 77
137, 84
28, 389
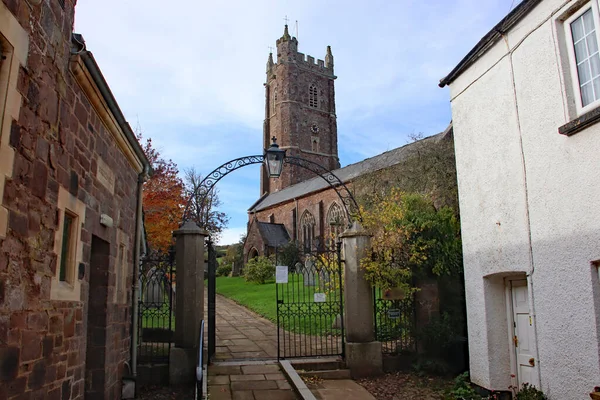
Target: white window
582, 32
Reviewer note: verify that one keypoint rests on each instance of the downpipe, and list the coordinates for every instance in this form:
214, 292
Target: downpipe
136, 271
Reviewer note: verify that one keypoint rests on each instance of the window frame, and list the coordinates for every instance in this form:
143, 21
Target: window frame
68, 290
313, 96
575, 83
67, 258
307, 224
335, 220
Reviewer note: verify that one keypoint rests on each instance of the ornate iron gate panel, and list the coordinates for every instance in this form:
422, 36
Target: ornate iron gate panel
156, 319
394, 322
310, 305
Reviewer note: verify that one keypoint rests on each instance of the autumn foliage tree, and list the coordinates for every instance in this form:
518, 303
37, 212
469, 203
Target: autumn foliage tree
202, 207
410, 238
163, 199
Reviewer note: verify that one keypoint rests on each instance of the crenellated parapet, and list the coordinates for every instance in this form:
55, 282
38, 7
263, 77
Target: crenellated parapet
287, 52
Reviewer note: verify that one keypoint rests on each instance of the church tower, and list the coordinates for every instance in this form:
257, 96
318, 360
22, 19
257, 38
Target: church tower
299, 112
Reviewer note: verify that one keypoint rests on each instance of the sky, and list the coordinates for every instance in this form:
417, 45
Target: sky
190, 73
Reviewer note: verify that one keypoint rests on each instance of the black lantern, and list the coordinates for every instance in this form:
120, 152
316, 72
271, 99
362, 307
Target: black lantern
274, 159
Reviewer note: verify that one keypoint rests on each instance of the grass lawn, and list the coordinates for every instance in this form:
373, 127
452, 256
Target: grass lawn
259, 298
157, 317
299, 312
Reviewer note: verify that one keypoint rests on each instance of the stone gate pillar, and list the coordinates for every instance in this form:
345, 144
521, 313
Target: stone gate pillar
363, 352
189, 264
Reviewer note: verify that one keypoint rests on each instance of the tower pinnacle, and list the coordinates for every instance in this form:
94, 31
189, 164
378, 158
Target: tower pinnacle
329, 58
270, 63
286, 33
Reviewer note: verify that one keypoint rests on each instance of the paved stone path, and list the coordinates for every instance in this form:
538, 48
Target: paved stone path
242, 334
343, 389
258, 380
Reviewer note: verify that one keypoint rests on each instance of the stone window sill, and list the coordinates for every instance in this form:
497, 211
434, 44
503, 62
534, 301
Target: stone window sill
580, 123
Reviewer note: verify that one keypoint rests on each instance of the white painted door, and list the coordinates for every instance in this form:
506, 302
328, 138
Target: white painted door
523, 337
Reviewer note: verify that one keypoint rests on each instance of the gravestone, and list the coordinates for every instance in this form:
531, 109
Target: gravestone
309, 272
154, 292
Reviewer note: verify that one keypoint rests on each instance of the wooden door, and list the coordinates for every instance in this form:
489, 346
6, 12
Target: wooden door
523, 335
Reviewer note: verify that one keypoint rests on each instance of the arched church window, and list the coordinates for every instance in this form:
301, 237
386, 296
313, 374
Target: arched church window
307, 225
274, 99
335, 219
315, 144
313, 96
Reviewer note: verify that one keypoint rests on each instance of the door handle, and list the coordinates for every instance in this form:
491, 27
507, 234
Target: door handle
532, 362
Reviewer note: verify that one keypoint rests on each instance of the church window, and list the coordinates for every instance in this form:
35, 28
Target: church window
315, 144
274, 99
313, 96
335, 220
307, 224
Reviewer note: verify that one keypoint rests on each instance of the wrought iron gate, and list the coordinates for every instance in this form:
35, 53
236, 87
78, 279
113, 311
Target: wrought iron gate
310, 305
394, 322
156, 318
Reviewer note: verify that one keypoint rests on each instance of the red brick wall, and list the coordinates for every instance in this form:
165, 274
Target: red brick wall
283, 214
254, 240
57, 140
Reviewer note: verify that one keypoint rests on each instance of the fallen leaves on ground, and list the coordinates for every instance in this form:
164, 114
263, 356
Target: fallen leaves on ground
311, 379
405, 386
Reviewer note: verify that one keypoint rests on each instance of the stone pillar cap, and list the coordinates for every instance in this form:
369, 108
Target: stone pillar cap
355, 230
190, 228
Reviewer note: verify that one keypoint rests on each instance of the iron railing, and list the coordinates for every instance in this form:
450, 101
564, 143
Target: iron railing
394, 323
310, 306
156, 319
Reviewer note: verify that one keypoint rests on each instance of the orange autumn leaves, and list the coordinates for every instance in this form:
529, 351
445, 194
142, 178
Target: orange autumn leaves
163, 199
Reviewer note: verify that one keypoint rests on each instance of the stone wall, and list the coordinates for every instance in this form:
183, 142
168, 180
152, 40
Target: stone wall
290, 214
65, 153
303, 129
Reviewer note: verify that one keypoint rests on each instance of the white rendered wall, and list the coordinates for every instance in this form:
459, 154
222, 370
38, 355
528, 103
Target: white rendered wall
524, 186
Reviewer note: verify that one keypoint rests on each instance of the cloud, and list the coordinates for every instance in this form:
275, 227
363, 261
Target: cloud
232, 235
192, 73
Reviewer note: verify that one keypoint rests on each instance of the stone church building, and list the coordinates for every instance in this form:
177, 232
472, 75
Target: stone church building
300, 113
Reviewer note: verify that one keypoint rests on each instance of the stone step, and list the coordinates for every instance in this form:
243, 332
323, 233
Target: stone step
318, 364
330, 374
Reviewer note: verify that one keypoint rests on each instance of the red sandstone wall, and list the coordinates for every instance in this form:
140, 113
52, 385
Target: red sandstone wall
283, 214
57, 140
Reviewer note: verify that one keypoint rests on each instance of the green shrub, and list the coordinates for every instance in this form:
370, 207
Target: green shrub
224, 269
259, 270
528, 392
462, 389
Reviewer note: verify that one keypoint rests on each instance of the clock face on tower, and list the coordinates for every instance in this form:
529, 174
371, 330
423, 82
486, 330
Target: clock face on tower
314, 128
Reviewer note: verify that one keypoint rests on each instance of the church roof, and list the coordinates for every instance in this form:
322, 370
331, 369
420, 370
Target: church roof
345, 174
274, 235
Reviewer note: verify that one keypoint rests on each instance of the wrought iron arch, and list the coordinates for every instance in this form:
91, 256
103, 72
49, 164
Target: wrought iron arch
199, 197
